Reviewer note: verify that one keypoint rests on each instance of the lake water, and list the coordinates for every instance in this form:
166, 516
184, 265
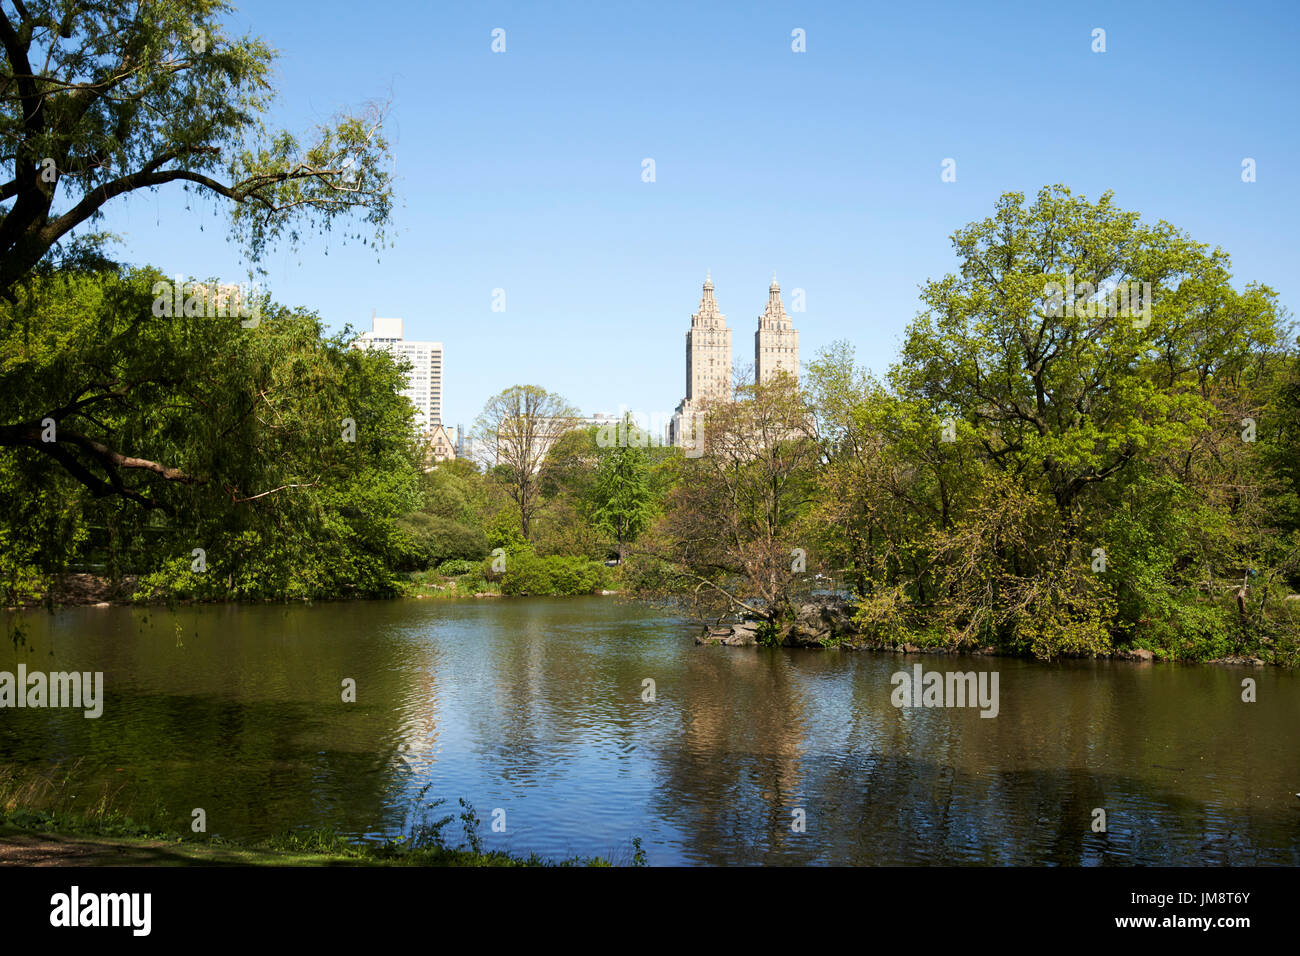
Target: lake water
535, 707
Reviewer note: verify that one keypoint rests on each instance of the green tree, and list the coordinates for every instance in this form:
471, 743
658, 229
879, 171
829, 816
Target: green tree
101, 99
519, 426
283, 454
734, 517
622, 501
1050, 466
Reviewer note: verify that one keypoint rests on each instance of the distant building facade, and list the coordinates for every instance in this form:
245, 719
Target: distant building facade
708, 363
776, 343
424, 380
442, 444
543, 433
708, 357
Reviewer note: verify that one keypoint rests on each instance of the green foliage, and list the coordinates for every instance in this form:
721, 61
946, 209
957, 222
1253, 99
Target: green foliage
430, 540
768, 634
456, 567
621, 500
233, 438
1062, 481
503, 531
527, 573
734, 518
521, 425
109, 99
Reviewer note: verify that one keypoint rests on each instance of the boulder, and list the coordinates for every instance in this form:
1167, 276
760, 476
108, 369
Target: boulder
830, 618
744, 634
799, 635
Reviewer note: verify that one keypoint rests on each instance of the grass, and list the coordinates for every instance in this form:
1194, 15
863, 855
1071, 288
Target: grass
28, 836
432, 585
38, 826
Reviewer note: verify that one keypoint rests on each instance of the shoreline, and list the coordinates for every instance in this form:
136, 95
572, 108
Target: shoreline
818, 627
38, 838
95, 591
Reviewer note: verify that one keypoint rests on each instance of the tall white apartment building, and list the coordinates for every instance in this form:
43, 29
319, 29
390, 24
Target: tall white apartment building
424, 380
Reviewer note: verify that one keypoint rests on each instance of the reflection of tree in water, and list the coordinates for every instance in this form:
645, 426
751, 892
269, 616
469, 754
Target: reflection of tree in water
944, 786
736, 770
518, 746
562, 684
245, 720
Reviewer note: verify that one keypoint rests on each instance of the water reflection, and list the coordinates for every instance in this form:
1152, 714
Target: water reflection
535, 707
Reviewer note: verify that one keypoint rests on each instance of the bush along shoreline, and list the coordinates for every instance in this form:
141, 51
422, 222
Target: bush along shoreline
527, 575
839, 624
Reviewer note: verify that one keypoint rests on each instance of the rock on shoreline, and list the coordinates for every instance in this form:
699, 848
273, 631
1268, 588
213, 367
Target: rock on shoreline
814, 625
831, 624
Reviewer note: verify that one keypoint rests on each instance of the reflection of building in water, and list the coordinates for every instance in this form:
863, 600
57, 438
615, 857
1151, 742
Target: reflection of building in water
742, 750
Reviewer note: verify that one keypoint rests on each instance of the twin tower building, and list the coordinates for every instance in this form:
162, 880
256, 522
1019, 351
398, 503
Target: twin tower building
708, 355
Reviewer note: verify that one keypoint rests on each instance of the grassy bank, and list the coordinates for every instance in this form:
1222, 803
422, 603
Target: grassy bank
35, 837
43, 822
441, 587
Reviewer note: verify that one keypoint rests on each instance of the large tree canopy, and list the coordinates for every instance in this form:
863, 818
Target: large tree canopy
1052, 472
281, 452
1071, 389
100, 98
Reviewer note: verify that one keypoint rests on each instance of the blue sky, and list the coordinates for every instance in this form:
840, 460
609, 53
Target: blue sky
522, 170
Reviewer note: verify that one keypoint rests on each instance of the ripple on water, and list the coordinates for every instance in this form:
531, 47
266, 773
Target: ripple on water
536, 707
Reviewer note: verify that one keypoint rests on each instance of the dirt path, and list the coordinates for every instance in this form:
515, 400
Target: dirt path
24, 848
48, 849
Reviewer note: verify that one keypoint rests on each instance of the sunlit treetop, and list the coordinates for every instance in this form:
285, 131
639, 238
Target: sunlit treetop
100, 99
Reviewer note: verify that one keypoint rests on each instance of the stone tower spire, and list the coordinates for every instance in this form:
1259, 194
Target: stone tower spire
708, 350
776, 343
708, 365
708, 317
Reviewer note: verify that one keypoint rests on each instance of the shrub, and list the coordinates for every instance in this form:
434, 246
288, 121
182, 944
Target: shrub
428, 540
526, 573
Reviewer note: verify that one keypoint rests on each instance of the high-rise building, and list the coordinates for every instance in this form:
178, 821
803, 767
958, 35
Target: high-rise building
708, 361
776, 343
708, 351
424, 380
